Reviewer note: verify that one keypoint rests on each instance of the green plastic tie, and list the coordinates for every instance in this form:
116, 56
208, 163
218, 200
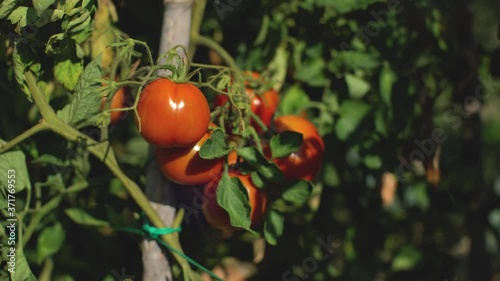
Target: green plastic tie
154, 233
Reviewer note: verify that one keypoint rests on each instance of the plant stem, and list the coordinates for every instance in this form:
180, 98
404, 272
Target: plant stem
259, 122
48, 267
26, 134
207, 42
197, 18
37, 218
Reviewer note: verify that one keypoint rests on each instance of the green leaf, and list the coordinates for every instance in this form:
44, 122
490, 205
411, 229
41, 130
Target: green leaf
22, 269
357, 86
407, 258
215, 146
273, 226
233, 197
48, 159
67, 66
285, 143
79, 22
23, 16
6, 7
380, 122
14, 170
294, 101
346, 6
298, 192
312, 73
254, 158
352, 113
373, 162
417, 196
50, 241
54, 182
353, 61
24, 59
257, 180
42, 5
331, 175
386, 80
70, 5
81, 217
86, 100
278, 67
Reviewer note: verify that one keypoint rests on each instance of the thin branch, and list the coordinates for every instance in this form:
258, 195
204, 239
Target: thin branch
207, 42
41, 126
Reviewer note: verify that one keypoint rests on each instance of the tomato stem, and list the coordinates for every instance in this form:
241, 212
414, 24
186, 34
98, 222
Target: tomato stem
259, 121
208, 42
41, 126
197, 18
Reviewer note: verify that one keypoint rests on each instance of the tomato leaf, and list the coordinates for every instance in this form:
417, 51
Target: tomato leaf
352, 60
285, 143
298, 192
13, 163
358, 87
24, 59
6, 7
257, 180
273, 226
352, 113
373, 162
233, 197
23, 16
86, 100
50, 241
215, 146
294, 101
386, 81
346, 6
278, 67
258, 161
312, 72
42, 5
22, 268
81, 217
67, 67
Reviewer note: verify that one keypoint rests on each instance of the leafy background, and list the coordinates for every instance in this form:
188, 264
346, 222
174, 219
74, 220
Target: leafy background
377, 77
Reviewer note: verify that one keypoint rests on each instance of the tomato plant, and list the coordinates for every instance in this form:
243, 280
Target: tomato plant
172, 114
398, 178
218, 217
306, 162
183, 165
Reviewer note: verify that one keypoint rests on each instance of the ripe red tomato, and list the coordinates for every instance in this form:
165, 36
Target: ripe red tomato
264, 105
183, 165
118, 101
218, 218
306, 162
171, 114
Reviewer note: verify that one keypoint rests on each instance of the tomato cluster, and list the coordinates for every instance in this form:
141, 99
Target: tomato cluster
175, 118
